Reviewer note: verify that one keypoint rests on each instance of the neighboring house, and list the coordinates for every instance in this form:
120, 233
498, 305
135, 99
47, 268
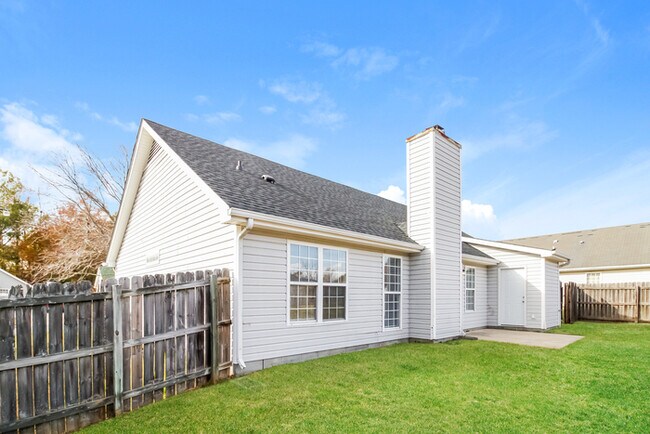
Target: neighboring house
618, 254
7, 280
319, 267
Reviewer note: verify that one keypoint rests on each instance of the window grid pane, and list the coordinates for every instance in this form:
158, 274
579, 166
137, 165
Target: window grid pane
392, 306
303, 263
393, 275
303, 303
470, 299
333, 302
334, 266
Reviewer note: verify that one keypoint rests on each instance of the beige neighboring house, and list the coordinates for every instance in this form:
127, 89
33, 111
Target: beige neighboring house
605, 255
7, 280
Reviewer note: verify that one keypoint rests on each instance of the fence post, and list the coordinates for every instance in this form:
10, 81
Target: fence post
214, 328
118, 349
638, 303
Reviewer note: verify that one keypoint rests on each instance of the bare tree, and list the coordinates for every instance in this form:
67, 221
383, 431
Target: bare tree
78, 233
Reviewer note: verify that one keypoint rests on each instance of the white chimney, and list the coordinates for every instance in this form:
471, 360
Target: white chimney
433, 188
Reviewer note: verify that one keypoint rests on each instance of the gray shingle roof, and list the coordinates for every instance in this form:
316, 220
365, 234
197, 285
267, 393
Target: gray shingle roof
295, 195
612, 246
468, 249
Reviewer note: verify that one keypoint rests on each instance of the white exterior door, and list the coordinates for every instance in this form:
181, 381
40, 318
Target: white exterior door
512, 296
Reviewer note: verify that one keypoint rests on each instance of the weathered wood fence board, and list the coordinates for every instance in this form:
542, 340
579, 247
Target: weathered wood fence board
628, 302
69, 357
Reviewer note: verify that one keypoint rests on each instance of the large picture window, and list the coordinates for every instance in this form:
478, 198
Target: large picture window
392, 292
317, 283
470, 289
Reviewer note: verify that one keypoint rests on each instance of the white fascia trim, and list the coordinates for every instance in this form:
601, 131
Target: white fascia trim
136, 169
471, 259
266, 221
605, 268
516, 248
15, 278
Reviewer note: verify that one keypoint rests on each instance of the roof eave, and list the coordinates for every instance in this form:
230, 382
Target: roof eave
548, 254
287, 225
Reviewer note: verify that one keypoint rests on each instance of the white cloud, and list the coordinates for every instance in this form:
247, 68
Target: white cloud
129, 127
364, 62
393, 193
477, 211
292, 151
517, 135
450, 101
296, 91
323, 117
201, 99
268, 109
321, 49
29, 141
367, 62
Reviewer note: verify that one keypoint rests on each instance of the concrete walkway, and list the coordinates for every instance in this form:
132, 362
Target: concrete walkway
533, 339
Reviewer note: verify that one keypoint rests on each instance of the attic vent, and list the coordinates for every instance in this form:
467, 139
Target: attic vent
268, 178
239, 166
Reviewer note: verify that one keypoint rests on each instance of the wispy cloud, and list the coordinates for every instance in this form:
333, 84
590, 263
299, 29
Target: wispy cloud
600, 32
517, 134
201, 100
450, 101
292, 151
363, 62
268, 109
394, 193
129, 127
615, 197
295, 90
29, 141
323, 110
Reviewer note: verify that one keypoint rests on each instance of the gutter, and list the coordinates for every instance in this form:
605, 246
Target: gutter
239, 288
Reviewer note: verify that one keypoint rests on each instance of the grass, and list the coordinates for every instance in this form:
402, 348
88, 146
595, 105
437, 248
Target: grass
599, 383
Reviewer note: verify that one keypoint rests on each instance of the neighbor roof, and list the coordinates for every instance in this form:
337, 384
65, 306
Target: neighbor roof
604, 247
295, 195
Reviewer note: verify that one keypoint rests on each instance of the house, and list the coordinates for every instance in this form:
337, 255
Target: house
319, 267
7, 280
618, 254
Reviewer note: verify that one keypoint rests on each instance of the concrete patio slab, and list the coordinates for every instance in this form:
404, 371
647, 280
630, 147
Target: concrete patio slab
533, 339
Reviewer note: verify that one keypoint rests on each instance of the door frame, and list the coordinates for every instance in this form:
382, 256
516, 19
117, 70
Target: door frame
500, 299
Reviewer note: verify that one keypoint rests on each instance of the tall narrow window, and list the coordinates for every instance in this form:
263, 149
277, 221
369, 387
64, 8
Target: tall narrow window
334, 284
392, 292
303, 282
470, 289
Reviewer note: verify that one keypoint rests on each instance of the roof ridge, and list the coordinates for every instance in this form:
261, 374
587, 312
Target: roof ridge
578, 231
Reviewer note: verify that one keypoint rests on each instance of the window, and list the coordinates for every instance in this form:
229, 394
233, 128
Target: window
593, 278
392, 292
470, 289
317, 274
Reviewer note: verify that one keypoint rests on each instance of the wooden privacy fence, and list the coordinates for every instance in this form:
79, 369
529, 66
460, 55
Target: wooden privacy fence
606, 302
70, 357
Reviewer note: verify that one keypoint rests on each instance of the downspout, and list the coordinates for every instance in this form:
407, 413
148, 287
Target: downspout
239, 288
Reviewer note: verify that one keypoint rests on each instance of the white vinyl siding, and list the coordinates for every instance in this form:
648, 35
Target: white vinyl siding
433, 184
420, 229
609, 276
534, 283
553, 302
266, 332
175, 220
478, 317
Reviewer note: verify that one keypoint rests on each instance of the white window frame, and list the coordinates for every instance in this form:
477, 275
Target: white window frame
384, 292
467, 268
319, 285
597, 275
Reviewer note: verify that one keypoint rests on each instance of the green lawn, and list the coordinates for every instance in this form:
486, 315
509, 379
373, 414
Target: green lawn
601, 383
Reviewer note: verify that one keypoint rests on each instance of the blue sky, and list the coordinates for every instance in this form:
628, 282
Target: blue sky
549, 98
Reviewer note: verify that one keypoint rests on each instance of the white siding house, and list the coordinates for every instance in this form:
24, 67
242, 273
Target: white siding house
319, 267
7, 281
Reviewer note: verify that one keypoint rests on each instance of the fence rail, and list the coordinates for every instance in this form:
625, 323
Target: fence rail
629, 302
69, 357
